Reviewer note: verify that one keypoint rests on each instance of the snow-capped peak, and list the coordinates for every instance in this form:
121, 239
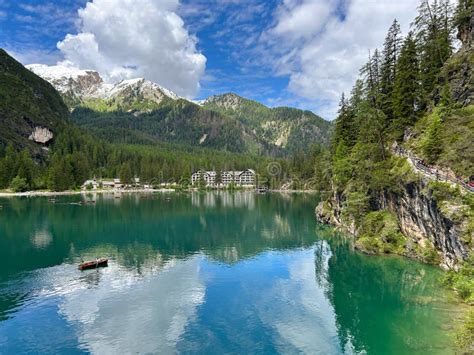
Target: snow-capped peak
67, 79
142, 86
89, 84
58, 71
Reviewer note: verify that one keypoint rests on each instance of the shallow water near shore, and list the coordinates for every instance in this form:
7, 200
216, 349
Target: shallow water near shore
213, 272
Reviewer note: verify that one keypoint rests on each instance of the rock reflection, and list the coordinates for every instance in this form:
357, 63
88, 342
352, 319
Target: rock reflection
41, 239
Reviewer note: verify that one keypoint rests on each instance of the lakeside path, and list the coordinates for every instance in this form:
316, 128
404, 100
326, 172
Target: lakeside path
433, 173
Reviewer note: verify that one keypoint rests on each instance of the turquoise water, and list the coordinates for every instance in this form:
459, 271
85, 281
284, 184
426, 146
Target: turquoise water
206, 273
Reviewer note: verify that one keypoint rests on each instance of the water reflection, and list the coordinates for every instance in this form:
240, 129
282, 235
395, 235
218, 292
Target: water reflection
212, 272
41, 238
239, 199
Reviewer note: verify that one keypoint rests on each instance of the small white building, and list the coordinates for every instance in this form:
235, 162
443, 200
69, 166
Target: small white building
102, 184
90, 185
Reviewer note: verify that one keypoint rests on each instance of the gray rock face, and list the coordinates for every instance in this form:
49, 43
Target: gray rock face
420, 220
41, 135
460, 77
466, 33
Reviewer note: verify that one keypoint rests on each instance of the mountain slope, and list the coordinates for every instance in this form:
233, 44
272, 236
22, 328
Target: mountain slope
139, 111
284, 127
31, 111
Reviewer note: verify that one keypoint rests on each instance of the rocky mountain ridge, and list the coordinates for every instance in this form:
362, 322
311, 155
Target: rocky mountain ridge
156, 111
78, 86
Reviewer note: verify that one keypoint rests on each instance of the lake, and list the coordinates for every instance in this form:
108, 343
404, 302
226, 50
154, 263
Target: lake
207, 273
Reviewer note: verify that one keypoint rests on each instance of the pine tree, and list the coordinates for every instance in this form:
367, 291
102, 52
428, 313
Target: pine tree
25, 167
341, 166
126, 175
434, 36
406, 89
8, 166
60, 176
345, 128
371, 74
391, 52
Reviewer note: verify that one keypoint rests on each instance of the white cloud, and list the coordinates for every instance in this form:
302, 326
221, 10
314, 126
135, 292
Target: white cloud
302, 19
323, 57
125, 39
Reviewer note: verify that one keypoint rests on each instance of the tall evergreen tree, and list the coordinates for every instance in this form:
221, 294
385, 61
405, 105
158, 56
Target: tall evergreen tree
406, 89
126, 175
371, 74
390, 54
434, 36
60, 174
8, 166
25, 167
345, 128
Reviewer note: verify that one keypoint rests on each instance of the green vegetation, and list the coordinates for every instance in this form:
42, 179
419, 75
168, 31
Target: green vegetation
463, 280
379, 233
76, 156
288, 128
394, 100
465, 333
26, 102
417, 93
446, 139
19, 184
244, 127
179, 122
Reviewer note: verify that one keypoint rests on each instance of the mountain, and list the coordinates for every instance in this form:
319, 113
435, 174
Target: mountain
60, 156
139, 111
284, 127
31, 111
87, 86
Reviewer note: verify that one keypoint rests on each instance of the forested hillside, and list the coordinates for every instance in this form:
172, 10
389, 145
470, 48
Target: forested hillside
287, 128
27, 102
178, 121
414, 99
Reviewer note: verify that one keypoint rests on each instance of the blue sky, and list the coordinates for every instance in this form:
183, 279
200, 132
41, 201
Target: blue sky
301, 53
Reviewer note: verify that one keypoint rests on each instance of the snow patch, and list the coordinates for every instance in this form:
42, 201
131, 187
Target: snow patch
89, 83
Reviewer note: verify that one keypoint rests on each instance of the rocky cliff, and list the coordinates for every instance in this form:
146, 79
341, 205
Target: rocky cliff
421, 218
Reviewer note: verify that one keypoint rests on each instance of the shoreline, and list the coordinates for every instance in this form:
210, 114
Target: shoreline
116, 191
82, 192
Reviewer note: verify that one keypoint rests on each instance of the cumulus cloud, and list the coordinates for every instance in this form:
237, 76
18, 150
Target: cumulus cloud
125, 39
324, 47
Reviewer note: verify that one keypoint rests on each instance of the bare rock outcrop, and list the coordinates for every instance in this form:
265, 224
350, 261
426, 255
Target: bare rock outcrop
41, 135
